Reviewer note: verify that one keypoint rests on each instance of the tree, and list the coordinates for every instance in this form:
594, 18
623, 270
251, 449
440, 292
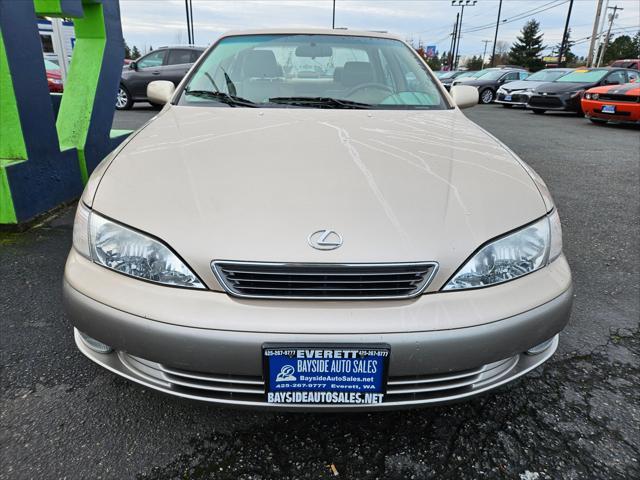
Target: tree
475, 63
127, 51
135, 53
568, 54
622, 47
526, 51
502, 55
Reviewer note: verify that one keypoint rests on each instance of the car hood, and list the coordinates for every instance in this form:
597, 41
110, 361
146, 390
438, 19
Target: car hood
631, 89
521, 85
563, 87
253, 184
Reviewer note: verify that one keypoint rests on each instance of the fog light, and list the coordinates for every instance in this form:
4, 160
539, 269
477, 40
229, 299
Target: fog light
540, 348
94, 344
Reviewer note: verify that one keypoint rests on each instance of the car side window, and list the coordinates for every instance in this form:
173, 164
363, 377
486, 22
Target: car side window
152, 60
511, 76
634, 77
195, 55
179, 57
523, 75
616, 78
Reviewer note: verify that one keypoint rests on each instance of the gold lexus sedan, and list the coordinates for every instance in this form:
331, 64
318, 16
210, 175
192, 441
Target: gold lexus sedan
312, 223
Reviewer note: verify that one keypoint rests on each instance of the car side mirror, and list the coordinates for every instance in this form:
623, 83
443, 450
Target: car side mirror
464, 96
133, 66
160, 91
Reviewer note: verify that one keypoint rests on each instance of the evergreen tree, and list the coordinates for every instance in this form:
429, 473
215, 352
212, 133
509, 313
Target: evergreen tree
135, 53
622, 47
526, 51
475, 63
127, 51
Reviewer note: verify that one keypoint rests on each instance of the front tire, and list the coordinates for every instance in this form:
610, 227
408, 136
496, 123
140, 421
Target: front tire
538, 111
486, 96
507, 105
123, 99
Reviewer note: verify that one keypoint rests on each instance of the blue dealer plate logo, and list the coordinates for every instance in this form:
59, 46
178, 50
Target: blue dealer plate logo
326, 375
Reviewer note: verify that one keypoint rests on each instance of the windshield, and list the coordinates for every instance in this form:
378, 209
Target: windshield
583, 76
319, 71
491, 75
548, 75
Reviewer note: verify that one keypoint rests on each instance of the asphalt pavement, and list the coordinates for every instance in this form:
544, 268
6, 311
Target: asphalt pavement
577, 417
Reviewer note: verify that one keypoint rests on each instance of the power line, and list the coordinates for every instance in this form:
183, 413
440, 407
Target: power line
515, 19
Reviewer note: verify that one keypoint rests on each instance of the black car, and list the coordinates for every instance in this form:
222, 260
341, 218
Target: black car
165, 63
448, 77
493, 79
565, 93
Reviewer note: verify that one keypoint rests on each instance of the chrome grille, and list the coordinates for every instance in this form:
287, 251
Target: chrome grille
251, 389
545, 101
324, 280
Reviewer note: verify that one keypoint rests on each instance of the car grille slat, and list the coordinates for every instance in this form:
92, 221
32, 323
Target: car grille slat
324, 281
619, 97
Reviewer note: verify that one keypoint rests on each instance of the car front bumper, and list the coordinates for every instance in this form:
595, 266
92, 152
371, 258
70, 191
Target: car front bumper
562, 103
432, 365
518, 98
626, 112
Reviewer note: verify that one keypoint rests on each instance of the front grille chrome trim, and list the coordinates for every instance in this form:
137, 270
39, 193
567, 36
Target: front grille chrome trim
242, 282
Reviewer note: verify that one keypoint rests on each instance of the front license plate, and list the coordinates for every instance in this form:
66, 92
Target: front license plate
608, 109
302, 374
507, 98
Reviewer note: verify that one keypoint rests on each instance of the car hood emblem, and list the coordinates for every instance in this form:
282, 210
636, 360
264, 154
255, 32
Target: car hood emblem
325, 240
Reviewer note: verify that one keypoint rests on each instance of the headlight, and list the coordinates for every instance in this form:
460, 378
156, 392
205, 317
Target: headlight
587, 96
127, 251
575, 93
512, 256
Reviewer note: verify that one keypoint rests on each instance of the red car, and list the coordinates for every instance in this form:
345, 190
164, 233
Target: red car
54, 77
617, 103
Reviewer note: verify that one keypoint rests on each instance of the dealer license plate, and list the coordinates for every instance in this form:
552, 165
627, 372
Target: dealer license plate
608, 109
507, 98
302, 374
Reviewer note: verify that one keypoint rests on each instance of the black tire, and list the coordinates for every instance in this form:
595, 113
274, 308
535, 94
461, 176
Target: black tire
598, 121
123, 99
507, 105
538, 111
157, 106
487, 96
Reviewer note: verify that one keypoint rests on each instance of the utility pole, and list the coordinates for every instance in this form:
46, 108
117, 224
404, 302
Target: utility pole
495, 38
333, 21
594, 33
461, 3
453, 41
603, 18
193, 35
612, 17
484, 54
564, 44
186, 7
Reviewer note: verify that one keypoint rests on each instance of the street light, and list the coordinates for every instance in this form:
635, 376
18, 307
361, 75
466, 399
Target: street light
462, 4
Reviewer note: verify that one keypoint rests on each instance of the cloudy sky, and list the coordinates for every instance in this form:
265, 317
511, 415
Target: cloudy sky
162, 22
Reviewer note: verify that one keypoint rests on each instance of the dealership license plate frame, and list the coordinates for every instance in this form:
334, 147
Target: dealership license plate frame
383, 360
610, 109
508, 98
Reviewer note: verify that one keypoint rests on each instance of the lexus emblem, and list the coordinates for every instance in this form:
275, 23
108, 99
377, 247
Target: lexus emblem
325, 240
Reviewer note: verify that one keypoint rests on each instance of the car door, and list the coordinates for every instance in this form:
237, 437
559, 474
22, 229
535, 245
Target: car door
148, 68
178, 63
617, 77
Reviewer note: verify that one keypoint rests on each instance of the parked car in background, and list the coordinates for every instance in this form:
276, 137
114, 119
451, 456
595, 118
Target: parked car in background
517, 93
488, 83
384, 282
165, 63
54, 76
633, 63
448, 77
613, 103
565, 93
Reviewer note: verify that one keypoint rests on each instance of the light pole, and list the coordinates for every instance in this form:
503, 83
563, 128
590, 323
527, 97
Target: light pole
462, 4
495, 38
333, 21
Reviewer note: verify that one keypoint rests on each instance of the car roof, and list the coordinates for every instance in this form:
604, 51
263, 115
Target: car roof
196, 47
312, 31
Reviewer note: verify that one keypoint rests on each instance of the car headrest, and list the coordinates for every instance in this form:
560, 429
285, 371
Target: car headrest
262, 64
357, 73
337, 74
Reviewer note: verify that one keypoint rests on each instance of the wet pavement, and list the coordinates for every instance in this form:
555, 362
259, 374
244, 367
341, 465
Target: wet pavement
576, 417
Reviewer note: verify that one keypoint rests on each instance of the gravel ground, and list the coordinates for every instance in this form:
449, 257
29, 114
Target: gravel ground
576, 417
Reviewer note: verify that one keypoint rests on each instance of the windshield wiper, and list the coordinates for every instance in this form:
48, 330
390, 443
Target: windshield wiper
230, 100
320, 102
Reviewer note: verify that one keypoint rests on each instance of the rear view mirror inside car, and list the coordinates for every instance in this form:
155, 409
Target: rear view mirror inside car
314, 50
